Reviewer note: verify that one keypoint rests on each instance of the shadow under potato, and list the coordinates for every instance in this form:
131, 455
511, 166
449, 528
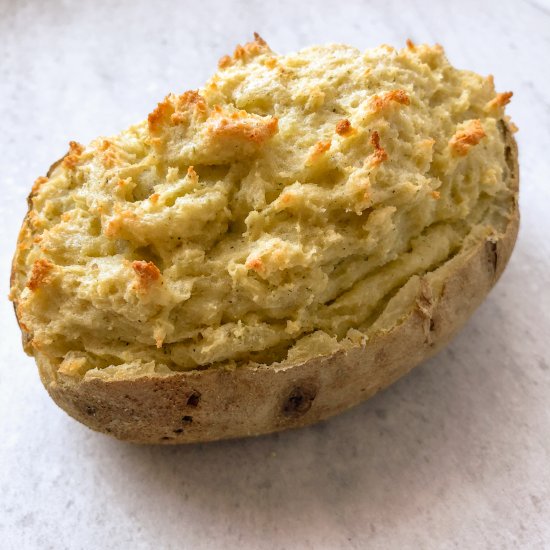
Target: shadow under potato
408, 449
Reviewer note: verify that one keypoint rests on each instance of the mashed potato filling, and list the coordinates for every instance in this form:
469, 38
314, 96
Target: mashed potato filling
267, 217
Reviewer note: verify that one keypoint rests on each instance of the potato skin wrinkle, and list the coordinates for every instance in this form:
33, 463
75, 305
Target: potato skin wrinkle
270, 249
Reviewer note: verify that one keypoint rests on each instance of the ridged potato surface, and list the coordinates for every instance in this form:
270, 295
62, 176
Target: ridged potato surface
270, 249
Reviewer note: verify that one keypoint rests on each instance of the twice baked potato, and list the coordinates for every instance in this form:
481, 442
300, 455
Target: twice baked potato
271, 249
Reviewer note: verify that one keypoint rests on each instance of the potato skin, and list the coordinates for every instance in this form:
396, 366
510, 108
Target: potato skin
212, 404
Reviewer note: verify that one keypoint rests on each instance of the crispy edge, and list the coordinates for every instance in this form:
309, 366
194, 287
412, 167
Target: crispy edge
72, 158
499, 101
243, 53
174, 110
26, 232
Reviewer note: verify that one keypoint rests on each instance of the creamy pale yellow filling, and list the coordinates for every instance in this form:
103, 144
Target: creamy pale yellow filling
269, 216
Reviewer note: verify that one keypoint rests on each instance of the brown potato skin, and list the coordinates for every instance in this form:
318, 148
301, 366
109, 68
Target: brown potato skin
211, 404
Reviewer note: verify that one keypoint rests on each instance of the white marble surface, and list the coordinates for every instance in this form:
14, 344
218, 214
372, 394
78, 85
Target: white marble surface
456, 455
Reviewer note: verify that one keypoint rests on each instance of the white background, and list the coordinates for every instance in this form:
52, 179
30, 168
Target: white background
456, 455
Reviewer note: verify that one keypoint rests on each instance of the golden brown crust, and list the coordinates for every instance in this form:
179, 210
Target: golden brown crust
38, 183
147, 273
174, 110
379, 155
224, 62
318, 150
70, 160
396, 96
255, 264
205, 405
250, 49
114, 226
343, 127
109, 154
500, 100
467, 137
40, 274
242, 125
